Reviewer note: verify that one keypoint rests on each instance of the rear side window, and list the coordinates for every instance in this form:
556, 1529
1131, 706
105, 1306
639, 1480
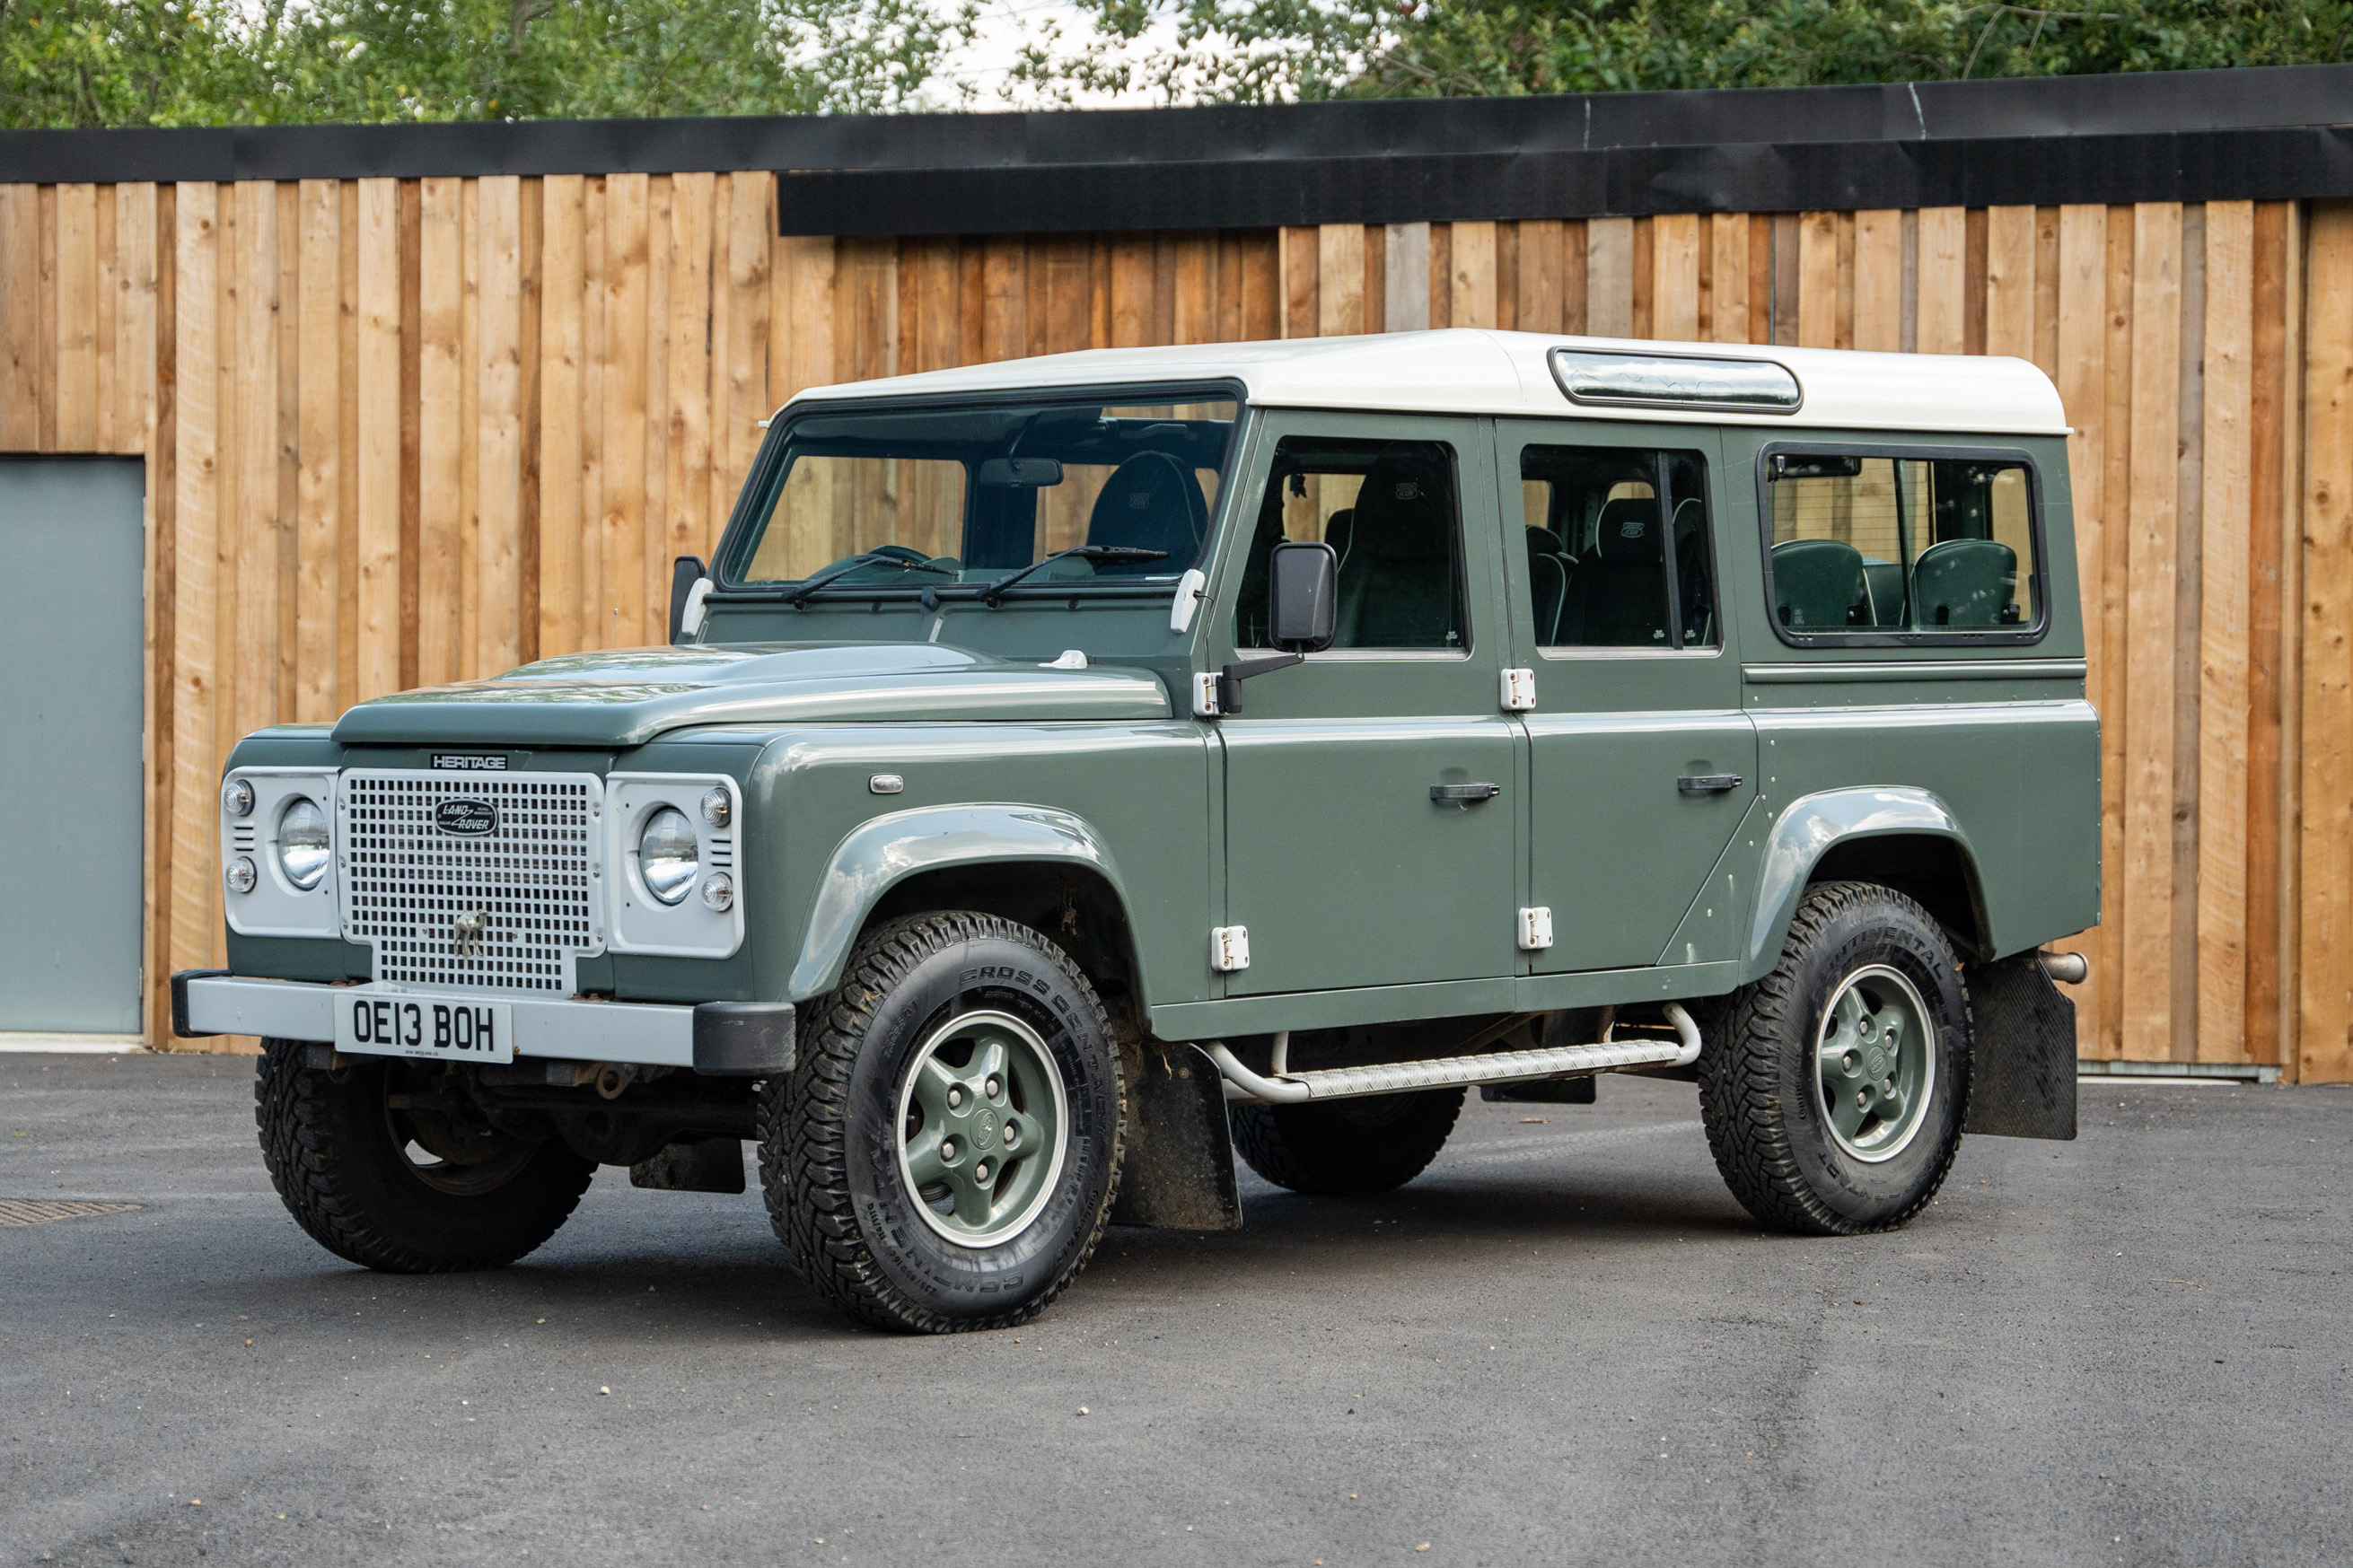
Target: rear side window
1617, 547
1917, 547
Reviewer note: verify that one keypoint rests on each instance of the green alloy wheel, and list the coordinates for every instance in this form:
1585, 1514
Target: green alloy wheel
945, 1153
983, 1126
1833, 1088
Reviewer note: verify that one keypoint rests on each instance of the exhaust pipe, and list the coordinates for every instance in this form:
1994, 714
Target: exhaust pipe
2067, 968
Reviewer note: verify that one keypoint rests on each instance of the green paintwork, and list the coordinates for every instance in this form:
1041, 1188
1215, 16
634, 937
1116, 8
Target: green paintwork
627, 697
1306, 817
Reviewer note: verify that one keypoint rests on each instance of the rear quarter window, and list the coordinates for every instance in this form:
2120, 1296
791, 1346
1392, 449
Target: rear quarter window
1918, 545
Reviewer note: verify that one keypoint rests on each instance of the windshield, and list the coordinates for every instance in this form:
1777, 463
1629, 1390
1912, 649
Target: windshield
940, 497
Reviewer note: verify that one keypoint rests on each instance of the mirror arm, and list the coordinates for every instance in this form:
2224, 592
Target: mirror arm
1230, 679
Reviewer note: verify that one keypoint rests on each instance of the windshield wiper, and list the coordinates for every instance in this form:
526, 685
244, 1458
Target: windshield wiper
794, 597
1088, 553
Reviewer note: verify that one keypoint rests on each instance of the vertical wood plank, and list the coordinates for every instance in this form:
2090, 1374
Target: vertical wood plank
1442, 275
1642, 279
804, 275
1727, 282
2115, 487
347, 444
530, 219
644, 611
20, 351
751, 221
560, 352
695, 246
498, 372
109, 294
1675, 276
1473, 294
469, 424
285, 440
1610, 277
440, 446
1406, 276
1538, 308
412, 373
146, 223
45, 324
621, 531
1005, 299
1879, 281
2082, 281
254, 530
2010, 281
1134, 288
195, 575
2046, 291
594, 621
1818, 238
1339, 279
1196, 288
76, 354
2294, 471
378, 374
2148, 869
2224, 519
2325, 1042
1943, 270
2269, 651
318, 519
2188, 490
1973, 274
134, 355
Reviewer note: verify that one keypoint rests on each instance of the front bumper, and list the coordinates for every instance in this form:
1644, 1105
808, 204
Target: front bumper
729, 1039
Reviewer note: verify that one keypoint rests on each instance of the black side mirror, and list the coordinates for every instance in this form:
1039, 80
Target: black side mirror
684, 573
1302, 596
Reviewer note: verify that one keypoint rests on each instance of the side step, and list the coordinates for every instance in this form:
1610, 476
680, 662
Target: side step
1443, 1072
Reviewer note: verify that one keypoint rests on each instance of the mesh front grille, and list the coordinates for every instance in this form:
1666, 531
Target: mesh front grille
407, 881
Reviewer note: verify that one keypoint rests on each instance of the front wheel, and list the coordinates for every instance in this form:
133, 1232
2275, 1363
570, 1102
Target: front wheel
385, 1163
945, 1153
1833, 1093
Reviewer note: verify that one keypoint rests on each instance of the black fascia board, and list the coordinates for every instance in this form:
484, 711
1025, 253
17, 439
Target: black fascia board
2264, 133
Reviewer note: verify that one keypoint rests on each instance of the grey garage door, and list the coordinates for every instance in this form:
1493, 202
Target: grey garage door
70, 691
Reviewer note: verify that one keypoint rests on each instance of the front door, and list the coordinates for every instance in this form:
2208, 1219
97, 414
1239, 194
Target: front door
1363, 845
1642, 764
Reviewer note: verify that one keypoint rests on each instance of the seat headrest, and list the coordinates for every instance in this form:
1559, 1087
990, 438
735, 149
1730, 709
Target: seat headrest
1401, 510
1544, 542
1151, 502
1627, 532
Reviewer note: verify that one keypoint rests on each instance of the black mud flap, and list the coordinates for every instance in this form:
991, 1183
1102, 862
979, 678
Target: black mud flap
2023, 1075
705, 1166
1179, 1170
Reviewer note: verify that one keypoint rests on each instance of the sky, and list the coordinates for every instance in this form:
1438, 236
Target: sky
982, 66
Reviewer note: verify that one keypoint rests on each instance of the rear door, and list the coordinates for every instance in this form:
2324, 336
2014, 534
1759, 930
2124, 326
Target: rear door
1642, 764
1341, 863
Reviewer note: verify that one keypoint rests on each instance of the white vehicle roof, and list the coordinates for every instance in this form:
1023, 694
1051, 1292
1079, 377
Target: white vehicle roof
1472, 371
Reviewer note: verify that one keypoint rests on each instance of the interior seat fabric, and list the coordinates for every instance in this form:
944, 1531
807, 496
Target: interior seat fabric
1397, 581
1966, 582
1151, 502
1820, 584
1617, 596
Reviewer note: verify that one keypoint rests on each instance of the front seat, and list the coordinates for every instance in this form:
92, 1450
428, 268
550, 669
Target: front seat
1966, 582
1152, 502
1547, 582
1618, 595
1818, 585
1396, 583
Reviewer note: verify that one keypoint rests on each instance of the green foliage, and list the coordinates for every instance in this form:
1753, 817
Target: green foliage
182, 62
1261, 50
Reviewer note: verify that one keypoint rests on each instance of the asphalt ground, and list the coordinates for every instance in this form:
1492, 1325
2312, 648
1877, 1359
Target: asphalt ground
1565, 1343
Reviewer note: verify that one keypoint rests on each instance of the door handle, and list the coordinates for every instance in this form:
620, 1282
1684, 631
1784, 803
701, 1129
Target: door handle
1464, 793
1707, 783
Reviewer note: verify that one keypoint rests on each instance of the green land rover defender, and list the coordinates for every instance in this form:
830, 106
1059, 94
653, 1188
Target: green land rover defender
1073, 771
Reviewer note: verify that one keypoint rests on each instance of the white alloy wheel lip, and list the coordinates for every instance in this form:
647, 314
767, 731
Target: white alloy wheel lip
1031, 1041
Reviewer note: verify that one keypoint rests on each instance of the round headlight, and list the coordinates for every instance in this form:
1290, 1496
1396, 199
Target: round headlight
238, 874
303, 845
236, 797
667, 854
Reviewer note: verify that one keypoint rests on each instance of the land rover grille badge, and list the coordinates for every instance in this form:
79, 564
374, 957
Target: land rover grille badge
469, 929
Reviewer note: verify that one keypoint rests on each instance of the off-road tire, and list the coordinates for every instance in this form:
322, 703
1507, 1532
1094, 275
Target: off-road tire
1760, 1096
328, 1143
1346, 1147
829, 1161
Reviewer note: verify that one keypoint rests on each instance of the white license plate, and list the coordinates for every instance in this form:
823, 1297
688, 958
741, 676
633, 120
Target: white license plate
444, 1028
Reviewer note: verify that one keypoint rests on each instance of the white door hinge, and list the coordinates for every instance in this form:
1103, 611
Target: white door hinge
1228, 948
1204, 695
1535, 929
1519, 690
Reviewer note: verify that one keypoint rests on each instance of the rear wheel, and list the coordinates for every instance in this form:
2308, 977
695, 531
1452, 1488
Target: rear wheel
387, 1167
945, 1153
1834, 1091
1346, 1147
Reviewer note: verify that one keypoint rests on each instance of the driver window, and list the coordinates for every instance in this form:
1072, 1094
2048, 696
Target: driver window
1389, 509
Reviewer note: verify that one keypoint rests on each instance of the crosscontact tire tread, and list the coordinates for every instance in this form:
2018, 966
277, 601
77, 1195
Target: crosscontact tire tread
805, 1125
1749, 1126
312, 1170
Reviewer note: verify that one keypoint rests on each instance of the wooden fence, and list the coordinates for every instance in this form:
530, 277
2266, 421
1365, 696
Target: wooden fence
400, 432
